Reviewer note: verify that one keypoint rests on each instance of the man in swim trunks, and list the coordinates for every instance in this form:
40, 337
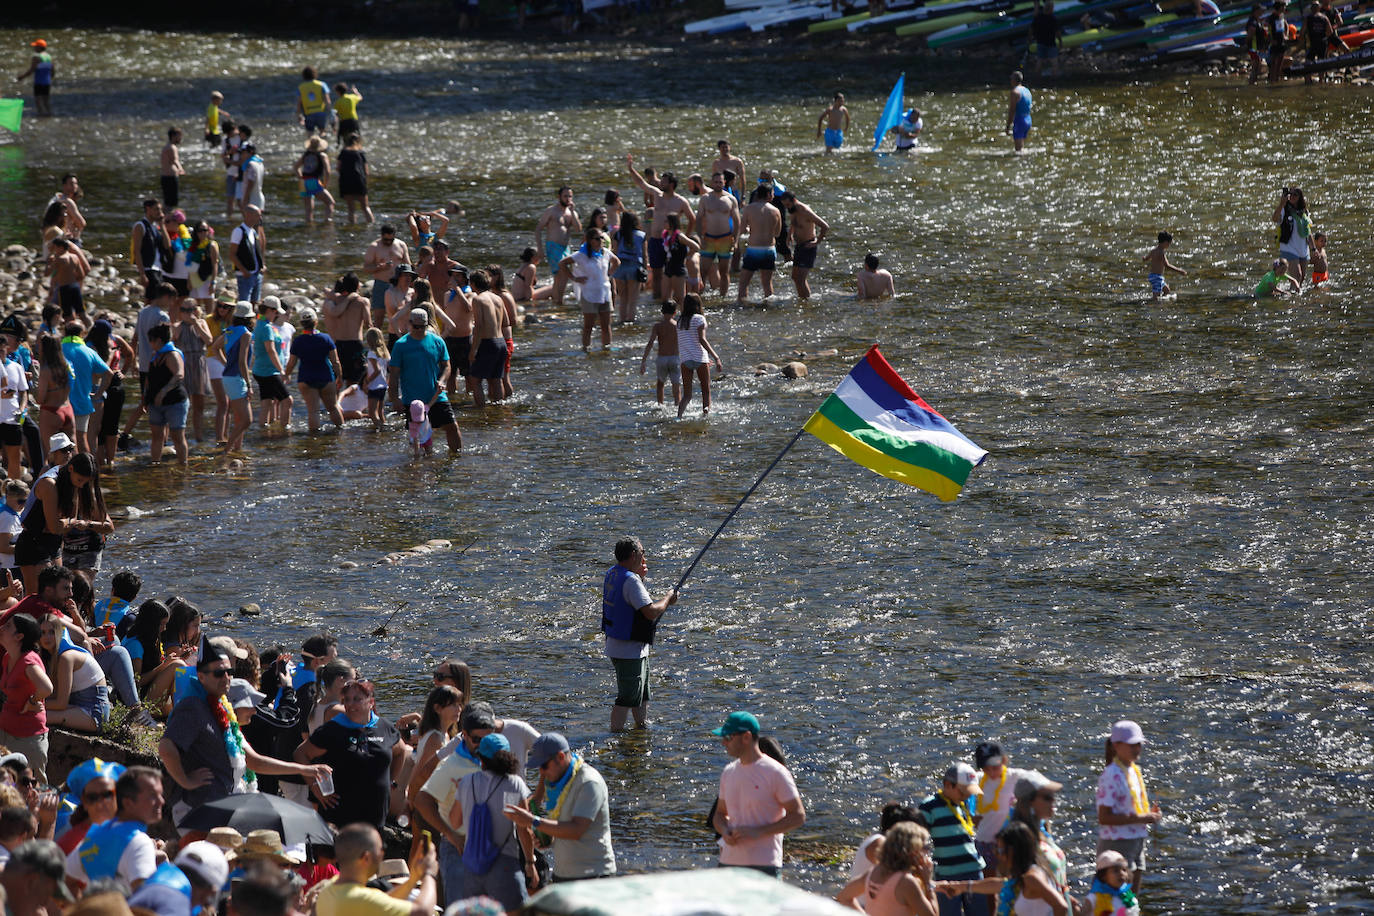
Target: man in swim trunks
69, 268
171, 170
345, 320
762, 222
555, 228
43, 70
729, 162
718, 218
457, 305
380, 261
834, 121
489, 325
808, 231
666, 201
1019, 111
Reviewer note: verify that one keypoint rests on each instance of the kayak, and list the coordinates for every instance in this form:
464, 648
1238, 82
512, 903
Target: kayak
1017, 26
1361, 56
834, 25
930, 26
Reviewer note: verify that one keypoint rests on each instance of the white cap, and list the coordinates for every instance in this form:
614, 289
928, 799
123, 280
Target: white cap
419, 315
1127, 732
206, 861
961, 774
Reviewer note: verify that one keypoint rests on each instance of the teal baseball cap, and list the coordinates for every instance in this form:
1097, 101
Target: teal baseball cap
737, 723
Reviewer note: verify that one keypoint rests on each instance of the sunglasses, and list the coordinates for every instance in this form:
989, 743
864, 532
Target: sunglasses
27, 782
99, 796
219, 672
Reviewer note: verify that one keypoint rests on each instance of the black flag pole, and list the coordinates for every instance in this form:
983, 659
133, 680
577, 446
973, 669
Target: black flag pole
748, 493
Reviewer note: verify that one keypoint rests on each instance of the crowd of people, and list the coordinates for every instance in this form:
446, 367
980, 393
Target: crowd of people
304, 725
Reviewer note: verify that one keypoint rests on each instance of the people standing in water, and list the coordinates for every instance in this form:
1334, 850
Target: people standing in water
761, 222
629, 617
718, 221
312, 170
908, 130
170, 168
1295, 228
874, 282
1124, 810
591, 267
353, 176
214, 118
1019, 111
729, 162
808, 231
312, 102
666, 365
346, 102
832, 124
1158, 260
666, 202
693, 349
43, 70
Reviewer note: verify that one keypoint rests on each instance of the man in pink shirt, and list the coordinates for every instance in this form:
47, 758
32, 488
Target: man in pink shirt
758, 800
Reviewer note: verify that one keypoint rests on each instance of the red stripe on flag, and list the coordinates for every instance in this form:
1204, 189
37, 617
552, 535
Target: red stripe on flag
889, 375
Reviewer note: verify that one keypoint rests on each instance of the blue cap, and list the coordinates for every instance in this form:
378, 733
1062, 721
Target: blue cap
546, 747
489, 746
167, 892
737, 723
95, 768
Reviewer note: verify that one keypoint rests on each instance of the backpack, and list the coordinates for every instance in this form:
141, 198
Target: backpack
480, 851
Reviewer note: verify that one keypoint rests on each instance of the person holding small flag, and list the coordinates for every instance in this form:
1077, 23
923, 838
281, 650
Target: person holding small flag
629, 617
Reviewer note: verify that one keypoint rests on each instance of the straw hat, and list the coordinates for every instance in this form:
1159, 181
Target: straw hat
226, 838
394, 871
265, 844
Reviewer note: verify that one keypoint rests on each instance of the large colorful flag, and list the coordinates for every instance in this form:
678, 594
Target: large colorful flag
11, 113
876, 420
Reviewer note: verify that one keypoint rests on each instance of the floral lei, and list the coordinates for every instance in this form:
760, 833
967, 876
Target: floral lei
233, 736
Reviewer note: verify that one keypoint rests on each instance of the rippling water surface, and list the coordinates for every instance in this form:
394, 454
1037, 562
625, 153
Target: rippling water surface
1173, 525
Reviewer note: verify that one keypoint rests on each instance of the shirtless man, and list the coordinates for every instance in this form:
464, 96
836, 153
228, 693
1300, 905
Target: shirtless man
437, 270
666, 200
728, 162
762, 222
718, 217
345, 320
380, 261
68, 196
172, 171
808, 231
398, 298
458, 306
834, 121
556, 226
68, 266
874, 281
488, 325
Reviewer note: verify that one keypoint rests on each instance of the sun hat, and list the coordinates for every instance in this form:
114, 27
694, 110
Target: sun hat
308, 315
270, 302
1109, 858
230, 647
394, 871
265, 844
59, 441
737, 723
243, 309
226, 838
1127, 732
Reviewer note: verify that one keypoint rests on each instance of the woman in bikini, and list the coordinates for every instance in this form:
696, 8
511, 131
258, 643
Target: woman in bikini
900, 884
54, 388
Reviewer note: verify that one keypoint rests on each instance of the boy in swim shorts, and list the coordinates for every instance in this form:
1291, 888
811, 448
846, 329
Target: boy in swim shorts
833, 122
1318, 254
665, 332
1158, 259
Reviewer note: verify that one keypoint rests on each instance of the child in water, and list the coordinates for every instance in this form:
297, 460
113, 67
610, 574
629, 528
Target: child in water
1271, 287
421, 431
1111, 894
1318, 255
665, 332
1158, 259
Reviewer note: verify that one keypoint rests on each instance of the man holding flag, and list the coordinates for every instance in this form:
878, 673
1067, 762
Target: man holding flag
628, 618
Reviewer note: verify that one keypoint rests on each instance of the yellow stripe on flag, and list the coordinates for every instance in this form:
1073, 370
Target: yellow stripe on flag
860, 453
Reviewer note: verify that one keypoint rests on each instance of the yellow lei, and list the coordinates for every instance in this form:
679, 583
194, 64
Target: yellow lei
1141, 801
983, 806
960, 813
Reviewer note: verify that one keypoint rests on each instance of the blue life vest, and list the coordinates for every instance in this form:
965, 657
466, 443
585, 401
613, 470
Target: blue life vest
618, 619
104, 845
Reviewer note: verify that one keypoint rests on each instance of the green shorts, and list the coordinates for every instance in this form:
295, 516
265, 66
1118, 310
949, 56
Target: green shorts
631, 681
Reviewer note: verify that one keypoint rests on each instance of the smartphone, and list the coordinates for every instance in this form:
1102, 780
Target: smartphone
7, 579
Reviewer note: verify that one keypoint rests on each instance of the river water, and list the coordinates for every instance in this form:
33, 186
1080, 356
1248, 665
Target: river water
1173, 524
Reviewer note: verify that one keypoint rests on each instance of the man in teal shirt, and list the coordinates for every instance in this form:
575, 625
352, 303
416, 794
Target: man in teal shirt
419, 367
90, 377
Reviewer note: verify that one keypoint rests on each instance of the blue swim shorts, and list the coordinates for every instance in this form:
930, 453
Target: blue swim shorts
834, 139
1157, 283
1020, 127
760, 259
554, 254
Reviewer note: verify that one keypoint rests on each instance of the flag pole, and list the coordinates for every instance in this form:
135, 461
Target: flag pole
748, 493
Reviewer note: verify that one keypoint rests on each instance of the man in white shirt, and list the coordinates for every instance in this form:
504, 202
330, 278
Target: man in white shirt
121, 847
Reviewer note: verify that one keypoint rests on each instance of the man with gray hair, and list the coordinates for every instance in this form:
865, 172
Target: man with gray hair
629, 616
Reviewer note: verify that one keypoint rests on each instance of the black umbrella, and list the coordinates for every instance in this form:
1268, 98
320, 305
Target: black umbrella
250, 811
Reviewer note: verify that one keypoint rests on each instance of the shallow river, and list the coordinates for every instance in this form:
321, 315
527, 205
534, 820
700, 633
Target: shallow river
1173, 524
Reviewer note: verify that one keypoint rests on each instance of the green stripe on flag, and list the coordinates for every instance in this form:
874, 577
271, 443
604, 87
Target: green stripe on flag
918, 454
11, 113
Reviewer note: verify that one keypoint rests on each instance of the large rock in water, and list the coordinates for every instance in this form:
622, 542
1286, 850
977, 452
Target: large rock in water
794, 369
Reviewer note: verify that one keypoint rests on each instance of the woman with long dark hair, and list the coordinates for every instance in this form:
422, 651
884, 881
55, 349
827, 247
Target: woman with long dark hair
145, 646
1295, 229
1023, 886
69, 501
80, 700
117, 354
629, 248
53, 392
83, 543
25, 685
234, 348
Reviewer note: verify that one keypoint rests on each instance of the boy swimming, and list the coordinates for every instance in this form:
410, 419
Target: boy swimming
1271, 285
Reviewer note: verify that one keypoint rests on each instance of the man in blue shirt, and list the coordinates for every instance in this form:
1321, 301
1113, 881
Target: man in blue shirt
419, 366
90, 377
